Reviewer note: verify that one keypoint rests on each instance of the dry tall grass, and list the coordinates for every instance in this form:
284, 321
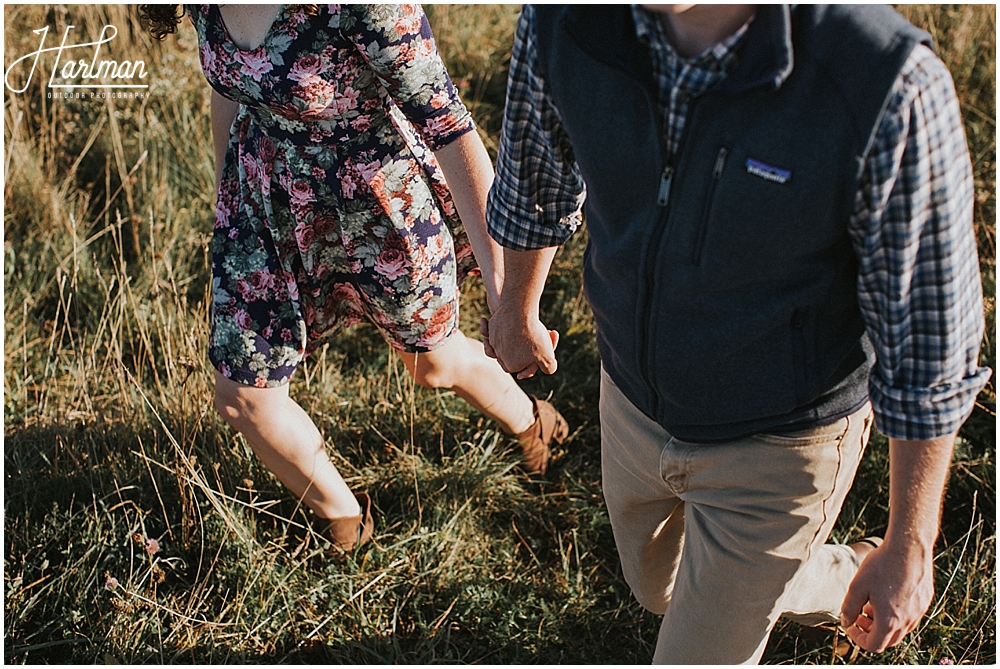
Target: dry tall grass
111, 441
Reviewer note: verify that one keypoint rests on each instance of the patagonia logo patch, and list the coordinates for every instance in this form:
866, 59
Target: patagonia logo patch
769, 172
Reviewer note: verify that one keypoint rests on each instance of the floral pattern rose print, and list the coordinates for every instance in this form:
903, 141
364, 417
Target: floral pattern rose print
332, 207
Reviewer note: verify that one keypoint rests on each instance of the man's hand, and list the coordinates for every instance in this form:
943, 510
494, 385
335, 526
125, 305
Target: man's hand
521, 347
888, 597
514, 335
895, 583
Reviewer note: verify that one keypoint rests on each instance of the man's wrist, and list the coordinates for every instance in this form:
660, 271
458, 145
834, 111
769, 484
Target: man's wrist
913, 545
918, 474
516, 312
524, 278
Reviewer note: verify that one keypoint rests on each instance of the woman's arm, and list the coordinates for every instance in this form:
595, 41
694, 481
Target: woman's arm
469, 173
397, 44
223, 112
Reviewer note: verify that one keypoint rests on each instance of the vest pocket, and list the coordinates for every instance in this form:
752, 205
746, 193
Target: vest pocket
699, 240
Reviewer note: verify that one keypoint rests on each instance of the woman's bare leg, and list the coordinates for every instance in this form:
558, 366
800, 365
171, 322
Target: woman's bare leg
461, 365
283, 436
288, 443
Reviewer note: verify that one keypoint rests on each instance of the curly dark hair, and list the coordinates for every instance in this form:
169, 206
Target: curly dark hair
160, 20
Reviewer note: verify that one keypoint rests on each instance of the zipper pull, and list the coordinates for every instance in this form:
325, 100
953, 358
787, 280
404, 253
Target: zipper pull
665, 179
720, 163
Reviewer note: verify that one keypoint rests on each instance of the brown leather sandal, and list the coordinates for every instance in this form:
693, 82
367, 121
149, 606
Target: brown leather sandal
349, 532
549, 426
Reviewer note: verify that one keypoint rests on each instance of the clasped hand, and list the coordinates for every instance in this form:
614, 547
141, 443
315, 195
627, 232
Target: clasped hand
520, 343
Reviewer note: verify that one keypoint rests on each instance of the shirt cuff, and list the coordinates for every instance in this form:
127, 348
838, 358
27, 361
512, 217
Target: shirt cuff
511, 231
924, 413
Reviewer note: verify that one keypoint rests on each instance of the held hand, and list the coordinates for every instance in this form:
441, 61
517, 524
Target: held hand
484, 329
492, 303
888, 597
521, 348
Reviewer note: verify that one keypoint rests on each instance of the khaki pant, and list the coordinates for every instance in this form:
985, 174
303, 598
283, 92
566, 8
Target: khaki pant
722, 539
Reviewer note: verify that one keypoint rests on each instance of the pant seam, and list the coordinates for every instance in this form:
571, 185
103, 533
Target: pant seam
833, 488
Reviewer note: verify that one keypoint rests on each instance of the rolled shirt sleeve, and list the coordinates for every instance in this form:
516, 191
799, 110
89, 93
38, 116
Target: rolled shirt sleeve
397, 43
538, 194
919, 286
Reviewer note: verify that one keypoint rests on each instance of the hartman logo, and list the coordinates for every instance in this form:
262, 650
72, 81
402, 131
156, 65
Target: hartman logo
80, 73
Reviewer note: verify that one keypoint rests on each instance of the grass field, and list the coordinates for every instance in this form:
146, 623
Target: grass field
111, 441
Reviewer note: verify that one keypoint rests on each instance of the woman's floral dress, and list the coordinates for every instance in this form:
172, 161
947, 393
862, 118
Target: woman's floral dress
332, 207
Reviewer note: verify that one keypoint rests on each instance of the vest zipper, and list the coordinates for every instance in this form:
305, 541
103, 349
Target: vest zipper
663, 200
663, 197
699, 242
646, 340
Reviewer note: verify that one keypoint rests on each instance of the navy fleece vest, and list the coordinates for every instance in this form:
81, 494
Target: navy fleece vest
722, 279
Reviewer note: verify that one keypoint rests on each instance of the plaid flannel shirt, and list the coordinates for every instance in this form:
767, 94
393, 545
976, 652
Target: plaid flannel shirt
919, 288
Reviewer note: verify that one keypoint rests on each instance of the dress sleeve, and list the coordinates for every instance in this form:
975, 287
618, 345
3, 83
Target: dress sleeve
918, 282
397, 43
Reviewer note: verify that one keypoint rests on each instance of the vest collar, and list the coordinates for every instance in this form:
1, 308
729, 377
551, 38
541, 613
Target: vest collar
607, 32
766, 59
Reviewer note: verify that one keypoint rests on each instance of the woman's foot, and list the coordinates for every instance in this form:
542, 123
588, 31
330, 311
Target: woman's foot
549, 426
350, 532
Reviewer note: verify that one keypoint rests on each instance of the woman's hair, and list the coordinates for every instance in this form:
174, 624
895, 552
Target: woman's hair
162, 20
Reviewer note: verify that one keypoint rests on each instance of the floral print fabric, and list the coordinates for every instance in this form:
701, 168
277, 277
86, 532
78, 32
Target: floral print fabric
332, 207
